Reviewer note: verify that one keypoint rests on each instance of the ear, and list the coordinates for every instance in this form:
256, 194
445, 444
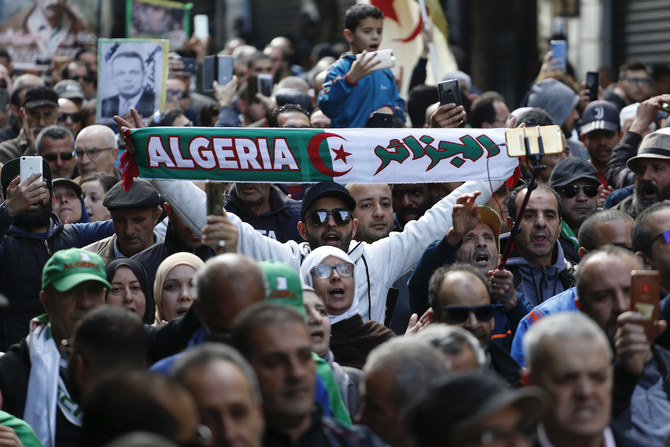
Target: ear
115, 152
302, 229
348, 35
525, 377
44, 300
355, 226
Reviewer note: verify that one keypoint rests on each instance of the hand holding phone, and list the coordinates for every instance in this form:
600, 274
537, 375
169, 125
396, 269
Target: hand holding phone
449, 92
29, 166
645, 298
215, 198
385, 58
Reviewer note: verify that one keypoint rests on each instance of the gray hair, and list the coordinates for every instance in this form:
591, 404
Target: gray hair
55, 133
410, 361
208, 353
566, 326
452, 340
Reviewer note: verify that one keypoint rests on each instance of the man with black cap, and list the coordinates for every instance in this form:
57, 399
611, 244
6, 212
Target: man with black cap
576, 181
40, 109
651, 166
600, 130
29, 234
134, 213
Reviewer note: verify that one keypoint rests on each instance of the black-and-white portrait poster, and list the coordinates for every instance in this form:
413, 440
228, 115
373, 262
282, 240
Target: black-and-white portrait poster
131, 73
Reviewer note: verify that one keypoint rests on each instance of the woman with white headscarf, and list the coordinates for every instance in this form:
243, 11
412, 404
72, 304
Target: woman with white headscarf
330, 271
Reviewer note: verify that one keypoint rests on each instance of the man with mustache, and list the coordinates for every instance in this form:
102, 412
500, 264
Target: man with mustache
576, 182
537, 261
651, 166
274, 339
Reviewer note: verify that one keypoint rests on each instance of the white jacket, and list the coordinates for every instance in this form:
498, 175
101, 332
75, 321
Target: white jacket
378, 265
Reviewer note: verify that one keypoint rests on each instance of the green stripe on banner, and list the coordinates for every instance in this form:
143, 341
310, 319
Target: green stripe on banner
309, 155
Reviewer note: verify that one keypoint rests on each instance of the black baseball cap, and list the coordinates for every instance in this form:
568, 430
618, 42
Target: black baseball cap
572, 169
325, 189
40, 96
13, 168
599, 115
69, 183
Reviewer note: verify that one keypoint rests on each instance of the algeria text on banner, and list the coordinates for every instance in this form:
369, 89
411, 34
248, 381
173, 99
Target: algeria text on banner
394, 155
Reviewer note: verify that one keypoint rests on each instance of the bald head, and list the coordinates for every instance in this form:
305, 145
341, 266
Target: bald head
233, 276
96, 150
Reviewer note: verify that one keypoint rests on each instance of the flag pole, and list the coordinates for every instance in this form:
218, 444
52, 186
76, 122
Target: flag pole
431, 47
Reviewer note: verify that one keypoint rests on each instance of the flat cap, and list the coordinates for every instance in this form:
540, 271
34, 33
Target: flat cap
141, 195
573, 169
656, 145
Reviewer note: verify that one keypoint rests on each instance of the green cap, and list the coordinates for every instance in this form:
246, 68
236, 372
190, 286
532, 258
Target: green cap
69, 268
283, 284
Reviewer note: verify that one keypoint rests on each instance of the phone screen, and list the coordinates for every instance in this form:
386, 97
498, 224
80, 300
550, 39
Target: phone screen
214, 198
559, 50
265, 84
592, 84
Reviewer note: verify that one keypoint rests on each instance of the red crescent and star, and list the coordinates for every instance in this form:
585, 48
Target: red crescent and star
315, 158
386, 7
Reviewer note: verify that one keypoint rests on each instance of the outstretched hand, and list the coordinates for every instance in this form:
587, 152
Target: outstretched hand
125, 127
464, 217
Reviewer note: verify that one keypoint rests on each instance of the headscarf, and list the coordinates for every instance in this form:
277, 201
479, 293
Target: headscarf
315, 258
179, 258
142, 278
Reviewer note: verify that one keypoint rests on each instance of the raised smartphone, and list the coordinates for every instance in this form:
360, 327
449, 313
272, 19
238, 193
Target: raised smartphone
265, 84
219, 68
449, 92
29, 166
386, 58
201, 26
592, 84
559, 49
645, 291
214, 192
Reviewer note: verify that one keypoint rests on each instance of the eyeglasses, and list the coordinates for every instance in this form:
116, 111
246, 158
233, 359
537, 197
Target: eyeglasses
459, 314
176, 93
92, 153
320, 217
64, 116
644, 81
53, 156
665, 235
325, 271
571, 191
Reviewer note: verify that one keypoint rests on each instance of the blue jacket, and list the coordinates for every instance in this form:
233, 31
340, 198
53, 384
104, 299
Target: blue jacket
539, 283
350, 105
563, 302
22, 256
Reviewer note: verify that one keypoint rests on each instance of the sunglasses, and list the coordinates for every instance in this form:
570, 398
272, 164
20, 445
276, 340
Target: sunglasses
572, 190
459, 314
64, 116
53, 156
320, 217
324, 271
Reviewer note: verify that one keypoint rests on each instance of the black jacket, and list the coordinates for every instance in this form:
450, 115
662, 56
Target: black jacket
22, 256
280, 223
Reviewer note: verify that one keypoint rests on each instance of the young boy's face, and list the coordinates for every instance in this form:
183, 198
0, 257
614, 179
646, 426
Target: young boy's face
367, 36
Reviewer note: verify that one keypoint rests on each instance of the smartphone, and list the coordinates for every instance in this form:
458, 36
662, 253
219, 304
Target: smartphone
29, 166
214, 192
265, 84
645, 291
252, 87
592, 84
559, 51
201, 26
386, 58
189, 64
449, 92
219, 68
552, 140
381, 120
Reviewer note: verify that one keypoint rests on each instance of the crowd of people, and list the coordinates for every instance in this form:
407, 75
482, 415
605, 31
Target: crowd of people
330, 314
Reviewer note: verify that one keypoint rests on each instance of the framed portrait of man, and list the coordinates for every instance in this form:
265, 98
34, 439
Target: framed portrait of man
159, 19
132, 73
